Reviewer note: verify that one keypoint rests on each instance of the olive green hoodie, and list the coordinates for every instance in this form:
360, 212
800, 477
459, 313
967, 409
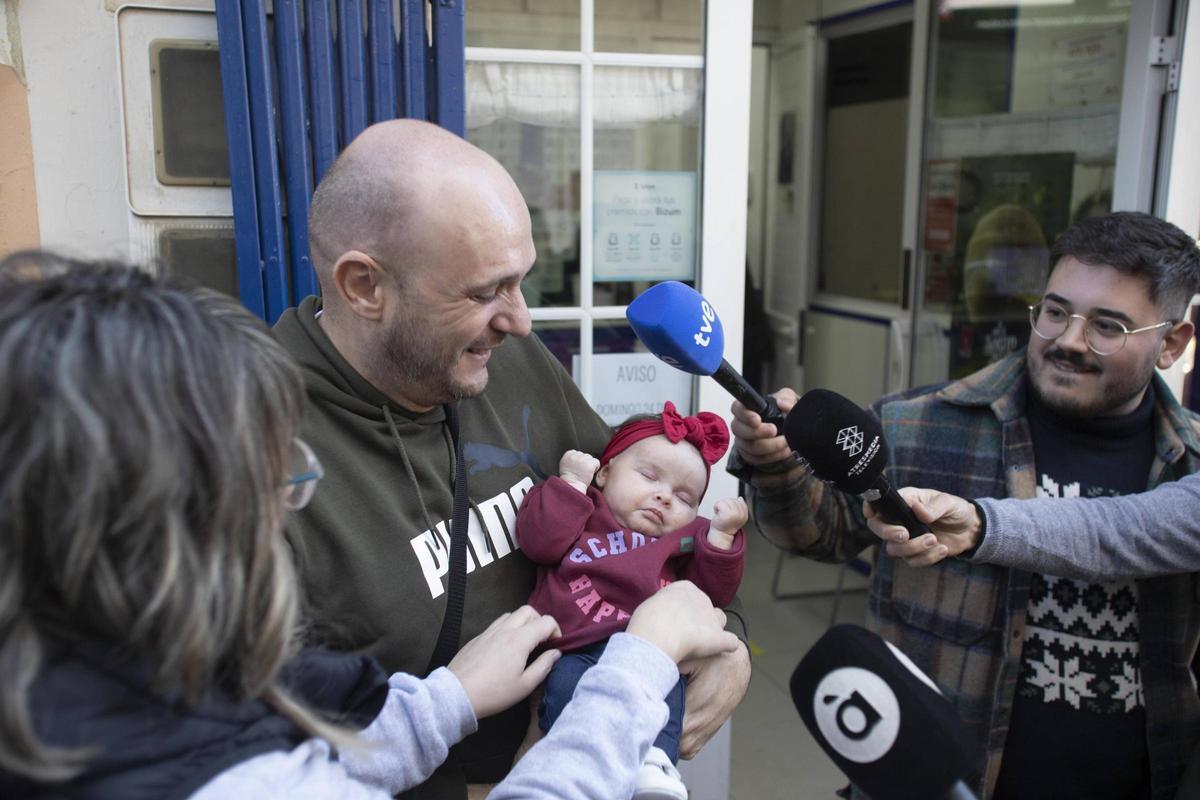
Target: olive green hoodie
374, 575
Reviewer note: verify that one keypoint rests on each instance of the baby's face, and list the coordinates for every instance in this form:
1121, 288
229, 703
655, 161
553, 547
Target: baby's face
654, 486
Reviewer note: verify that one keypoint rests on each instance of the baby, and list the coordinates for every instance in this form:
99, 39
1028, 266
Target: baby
609, 533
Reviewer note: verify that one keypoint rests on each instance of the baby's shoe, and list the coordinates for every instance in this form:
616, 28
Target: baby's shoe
657, 779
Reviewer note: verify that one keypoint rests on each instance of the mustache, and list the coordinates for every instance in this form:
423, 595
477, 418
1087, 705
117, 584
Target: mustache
486, 343
1075, 359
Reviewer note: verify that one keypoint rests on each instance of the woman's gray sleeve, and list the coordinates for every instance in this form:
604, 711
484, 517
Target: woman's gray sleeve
1105, 538
595, 747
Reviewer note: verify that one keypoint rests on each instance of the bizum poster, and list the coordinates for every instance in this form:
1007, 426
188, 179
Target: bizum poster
645, 226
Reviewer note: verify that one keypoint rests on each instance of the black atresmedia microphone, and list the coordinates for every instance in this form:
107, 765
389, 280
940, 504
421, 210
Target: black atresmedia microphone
881, 720
844, 445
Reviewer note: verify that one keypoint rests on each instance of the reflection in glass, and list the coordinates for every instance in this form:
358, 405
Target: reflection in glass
635, 26
527, 117
1026, 57
647, 121
544, 25
1021, 143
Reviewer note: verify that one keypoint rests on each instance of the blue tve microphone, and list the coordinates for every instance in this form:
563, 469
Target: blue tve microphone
679, 326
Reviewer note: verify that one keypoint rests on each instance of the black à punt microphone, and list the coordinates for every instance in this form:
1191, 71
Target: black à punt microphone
844, 445
881, 719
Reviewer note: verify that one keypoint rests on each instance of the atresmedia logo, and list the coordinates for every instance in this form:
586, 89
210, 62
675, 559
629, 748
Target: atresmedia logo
857, 713
851, 440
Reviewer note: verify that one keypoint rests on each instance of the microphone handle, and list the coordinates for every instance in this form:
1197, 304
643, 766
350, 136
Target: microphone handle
890, 506
732, 381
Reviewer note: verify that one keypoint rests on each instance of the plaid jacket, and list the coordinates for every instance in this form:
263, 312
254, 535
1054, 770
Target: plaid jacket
963, 623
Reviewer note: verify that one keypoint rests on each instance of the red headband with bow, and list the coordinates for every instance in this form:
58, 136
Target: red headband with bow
706, 431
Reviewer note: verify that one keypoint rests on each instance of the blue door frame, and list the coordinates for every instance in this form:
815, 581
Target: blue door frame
295, 94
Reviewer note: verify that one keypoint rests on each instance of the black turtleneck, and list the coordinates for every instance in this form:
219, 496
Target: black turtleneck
1104, 455
1078, 718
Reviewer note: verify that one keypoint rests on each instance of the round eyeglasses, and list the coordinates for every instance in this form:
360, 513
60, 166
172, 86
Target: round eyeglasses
304, 471
1104, 335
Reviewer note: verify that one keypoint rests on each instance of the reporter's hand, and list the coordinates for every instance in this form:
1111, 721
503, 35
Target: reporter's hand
954, 522
492, 666
759, 442
680, 620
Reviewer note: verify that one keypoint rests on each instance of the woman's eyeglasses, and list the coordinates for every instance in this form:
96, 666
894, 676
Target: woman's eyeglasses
304, 471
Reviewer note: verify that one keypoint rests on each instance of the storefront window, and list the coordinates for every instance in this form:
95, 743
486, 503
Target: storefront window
673, 27
646, 190
1020, 142
635, 26
605, 146
527, 117
537, 25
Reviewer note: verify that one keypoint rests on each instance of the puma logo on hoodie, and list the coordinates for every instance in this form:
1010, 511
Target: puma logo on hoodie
496, 536
482, 457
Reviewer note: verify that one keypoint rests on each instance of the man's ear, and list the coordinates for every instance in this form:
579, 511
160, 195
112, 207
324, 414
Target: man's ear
1174, 343
601, 476
359, 280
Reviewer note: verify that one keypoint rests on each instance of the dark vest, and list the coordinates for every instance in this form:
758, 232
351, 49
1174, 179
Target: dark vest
157, 746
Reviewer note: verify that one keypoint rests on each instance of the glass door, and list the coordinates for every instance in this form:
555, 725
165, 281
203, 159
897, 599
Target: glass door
869, 86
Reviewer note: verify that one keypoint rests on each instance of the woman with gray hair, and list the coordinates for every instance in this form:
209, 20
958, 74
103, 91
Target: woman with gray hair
148, 604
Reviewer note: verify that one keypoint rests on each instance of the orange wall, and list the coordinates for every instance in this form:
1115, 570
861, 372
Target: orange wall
18, 194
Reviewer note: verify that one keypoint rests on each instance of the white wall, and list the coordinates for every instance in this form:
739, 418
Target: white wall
75, 119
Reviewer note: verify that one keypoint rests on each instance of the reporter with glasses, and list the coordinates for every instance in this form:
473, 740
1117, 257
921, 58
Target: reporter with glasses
1143, 535
1069, 688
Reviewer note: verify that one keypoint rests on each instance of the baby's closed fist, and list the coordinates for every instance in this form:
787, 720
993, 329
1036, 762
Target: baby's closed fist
577, 468
730, 514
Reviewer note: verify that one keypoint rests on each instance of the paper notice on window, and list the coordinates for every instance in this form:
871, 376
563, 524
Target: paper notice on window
645, 226
1088, 67
624, 384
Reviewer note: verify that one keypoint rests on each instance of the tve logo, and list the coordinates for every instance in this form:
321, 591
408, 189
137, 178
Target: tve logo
707, 317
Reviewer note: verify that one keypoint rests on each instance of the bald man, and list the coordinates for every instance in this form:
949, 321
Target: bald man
420, 242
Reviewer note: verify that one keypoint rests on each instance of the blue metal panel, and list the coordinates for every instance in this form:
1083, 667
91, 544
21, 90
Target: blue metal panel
413, 50
324, 103
241, 156
266, 166
322, 78
450, 67
354, 68
383, 61
297, 160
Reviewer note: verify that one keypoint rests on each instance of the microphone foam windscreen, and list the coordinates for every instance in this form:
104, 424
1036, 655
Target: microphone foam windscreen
679, 326
879, 717
843, 443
